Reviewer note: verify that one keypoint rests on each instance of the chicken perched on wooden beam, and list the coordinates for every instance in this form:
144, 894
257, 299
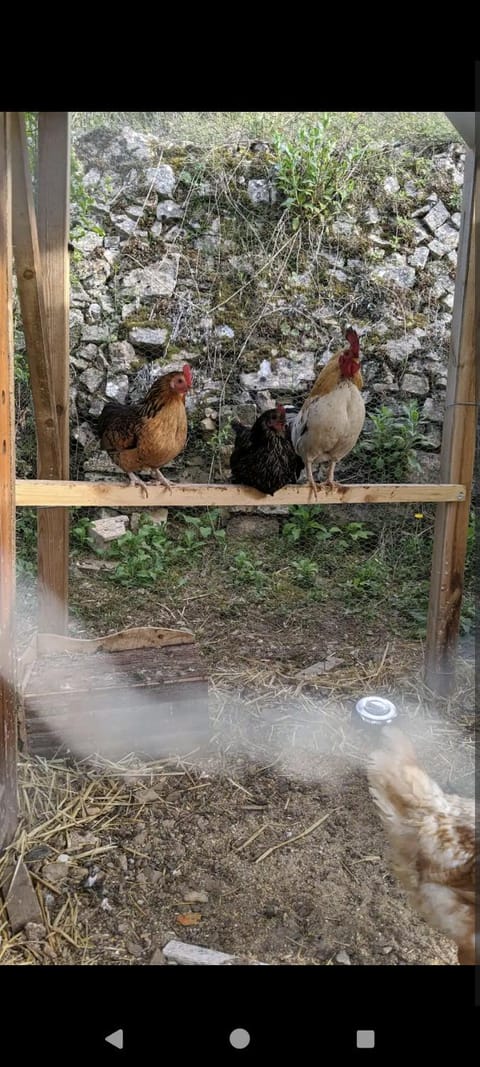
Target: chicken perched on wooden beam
432, 841
150, 433
330, 422
263, 456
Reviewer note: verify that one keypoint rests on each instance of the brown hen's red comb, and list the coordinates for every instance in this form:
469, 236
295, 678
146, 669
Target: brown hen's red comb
187, 374
354, 342
281, 409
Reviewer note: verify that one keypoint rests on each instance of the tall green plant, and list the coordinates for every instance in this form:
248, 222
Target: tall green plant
314, 176
388, 452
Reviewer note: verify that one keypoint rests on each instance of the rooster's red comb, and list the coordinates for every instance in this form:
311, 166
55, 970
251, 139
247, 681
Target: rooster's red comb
187, 374
353, 340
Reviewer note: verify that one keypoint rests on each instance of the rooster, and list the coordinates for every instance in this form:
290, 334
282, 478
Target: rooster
263, 456
432, 839
330, 422
150, 433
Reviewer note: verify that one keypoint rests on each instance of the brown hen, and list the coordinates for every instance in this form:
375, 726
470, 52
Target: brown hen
148, 434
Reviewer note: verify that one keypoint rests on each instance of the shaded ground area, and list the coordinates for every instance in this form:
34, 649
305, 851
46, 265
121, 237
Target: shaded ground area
185, 848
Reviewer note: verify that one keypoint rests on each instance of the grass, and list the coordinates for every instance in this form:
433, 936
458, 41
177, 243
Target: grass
220, 127
355, 569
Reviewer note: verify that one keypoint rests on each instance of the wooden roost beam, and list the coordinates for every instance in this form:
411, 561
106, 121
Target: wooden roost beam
8, 745
458, 452
52, 494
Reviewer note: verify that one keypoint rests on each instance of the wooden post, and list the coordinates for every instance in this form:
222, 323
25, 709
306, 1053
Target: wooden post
53, 202
458, 452
8, 740
30, 290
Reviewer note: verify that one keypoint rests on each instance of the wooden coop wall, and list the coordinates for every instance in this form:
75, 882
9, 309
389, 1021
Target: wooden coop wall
142, 690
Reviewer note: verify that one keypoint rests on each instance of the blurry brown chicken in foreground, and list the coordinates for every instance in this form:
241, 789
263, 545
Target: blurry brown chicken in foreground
151, 433
432, 839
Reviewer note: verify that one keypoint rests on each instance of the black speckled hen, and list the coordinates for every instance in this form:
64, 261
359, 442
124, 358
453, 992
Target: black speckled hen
264, 457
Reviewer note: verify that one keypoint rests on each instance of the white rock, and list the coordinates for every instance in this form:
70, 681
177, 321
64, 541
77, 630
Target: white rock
225, 332
419, 257
448, 235
91, 379
135, 211
420, 233
168, 209
124, 224
103, 531
96, 334
88, 242
159, 279
145, 337
83, 434
161, 179
92, 178
75, 320
436, 216
121, 355
394, 270
432, 411
94, 312
399, 349
261, 191
117, 388
416, 384
438, 248
343, 228
391, 185
371, 215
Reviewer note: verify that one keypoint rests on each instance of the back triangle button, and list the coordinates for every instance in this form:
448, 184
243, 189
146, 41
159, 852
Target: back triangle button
115, 1039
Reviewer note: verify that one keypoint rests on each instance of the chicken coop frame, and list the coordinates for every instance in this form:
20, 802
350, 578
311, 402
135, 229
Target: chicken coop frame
34, 232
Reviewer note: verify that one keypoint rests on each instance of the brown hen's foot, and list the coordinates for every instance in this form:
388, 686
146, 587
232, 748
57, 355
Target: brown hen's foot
135, 480
159, 477
327, 484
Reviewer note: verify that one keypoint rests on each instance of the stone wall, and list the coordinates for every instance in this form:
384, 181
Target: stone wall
180, 254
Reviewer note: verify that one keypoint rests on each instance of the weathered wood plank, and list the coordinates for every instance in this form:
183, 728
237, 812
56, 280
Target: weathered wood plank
32, 302
20, 898
144, 694
190, 955
458, 452
53, 213
31, 493
8, 744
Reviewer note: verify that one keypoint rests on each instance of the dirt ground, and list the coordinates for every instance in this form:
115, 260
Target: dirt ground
266, 844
